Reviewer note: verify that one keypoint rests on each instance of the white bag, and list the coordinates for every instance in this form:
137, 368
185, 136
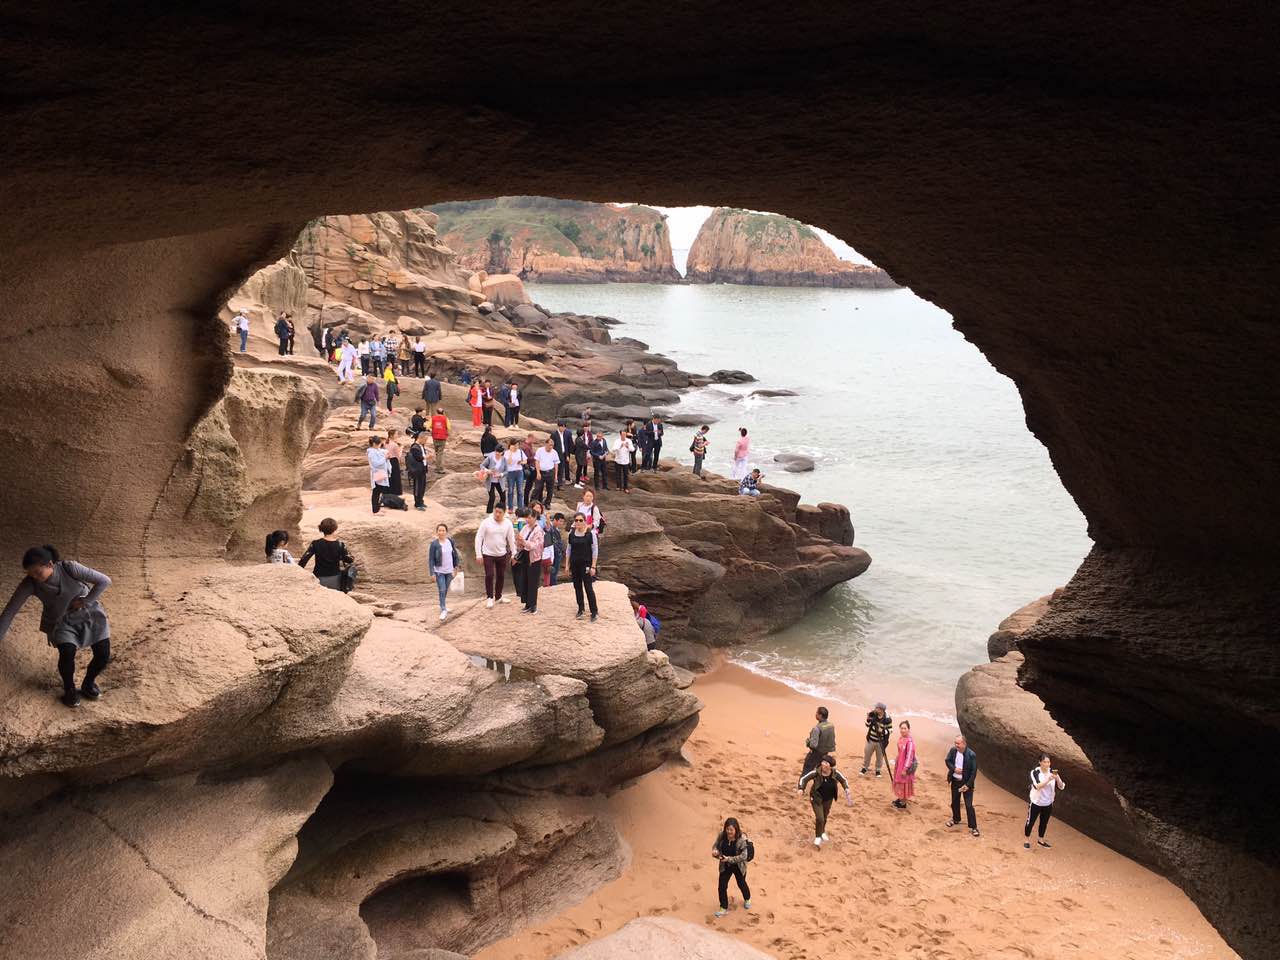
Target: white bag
459, 583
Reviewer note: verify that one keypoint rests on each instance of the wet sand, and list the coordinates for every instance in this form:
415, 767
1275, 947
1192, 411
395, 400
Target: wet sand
889, 883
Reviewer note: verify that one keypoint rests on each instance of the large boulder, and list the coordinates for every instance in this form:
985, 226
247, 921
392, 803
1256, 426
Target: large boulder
665, 938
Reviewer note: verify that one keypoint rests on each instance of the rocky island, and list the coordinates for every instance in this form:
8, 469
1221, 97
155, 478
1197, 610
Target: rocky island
544, 240
741, 246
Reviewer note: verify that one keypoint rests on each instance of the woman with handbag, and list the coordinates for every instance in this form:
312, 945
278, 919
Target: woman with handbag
904, 767
330, 553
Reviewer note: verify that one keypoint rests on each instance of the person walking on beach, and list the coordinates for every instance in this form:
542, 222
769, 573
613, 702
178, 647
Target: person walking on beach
821, 741
582, 555
904, 767
71, 617
741, 453
731, 849
417, 468
624, 449
330, 553
443, 563
379, 474
439, 436
1045, 784
823, 782
699, 449
962, 770
547, 462
242, 327
879, 726
367, 395
277, 542
495, 544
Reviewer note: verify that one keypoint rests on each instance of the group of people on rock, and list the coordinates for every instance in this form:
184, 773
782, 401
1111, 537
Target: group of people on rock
822, 782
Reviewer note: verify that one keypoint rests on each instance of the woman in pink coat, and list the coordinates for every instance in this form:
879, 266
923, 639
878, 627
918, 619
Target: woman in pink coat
904, 767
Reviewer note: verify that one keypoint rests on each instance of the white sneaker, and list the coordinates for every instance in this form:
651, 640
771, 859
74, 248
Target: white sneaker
443, 614
489, 602
505, 600
817, 841
825, 838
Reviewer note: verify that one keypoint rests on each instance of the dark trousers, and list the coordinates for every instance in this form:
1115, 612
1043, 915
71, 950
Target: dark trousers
734, 871
488, 416
419, 364
519, 571
581, 475
968, 804
600, 473
544, 488
582, 584
376, 496
394, 483
562, 471
1036, 812
364, 365
495, 571
811, 760
101, 657
697, 465
532, 581
624, 471
291, 336
646, 458
821, 810
495, 495
419, 481
284, 346
657, 452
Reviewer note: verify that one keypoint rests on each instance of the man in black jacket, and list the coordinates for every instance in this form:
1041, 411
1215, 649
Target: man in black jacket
431, 392
962, 768
562, 441
654, 429
417, 467
282, 334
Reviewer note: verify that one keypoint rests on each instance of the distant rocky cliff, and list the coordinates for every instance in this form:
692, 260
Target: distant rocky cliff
569, 241
738, 246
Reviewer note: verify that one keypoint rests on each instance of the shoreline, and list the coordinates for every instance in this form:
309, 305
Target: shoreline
889, 883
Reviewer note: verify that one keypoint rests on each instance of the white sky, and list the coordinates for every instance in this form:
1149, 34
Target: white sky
684, 223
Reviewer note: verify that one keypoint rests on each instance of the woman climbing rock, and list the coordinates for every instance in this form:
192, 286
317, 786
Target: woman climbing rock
72, 618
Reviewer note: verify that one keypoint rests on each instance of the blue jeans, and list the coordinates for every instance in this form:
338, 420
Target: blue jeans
515, 489
244, 340
371, 408
442, 584
555, 571
748, 493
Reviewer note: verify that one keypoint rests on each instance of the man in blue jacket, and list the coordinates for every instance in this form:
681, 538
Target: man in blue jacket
962, 769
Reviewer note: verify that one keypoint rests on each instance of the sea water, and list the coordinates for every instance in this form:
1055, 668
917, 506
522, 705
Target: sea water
912, 429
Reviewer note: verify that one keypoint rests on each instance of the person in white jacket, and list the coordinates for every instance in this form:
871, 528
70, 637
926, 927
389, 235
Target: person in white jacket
1045, 784
346, 359
495, 545
624, 449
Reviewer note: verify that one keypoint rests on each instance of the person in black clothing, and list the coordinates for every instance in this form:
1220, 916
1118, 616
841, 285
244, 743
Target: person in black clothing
654, 429
520, 562
962, 769
599, 466
330, 553
282, 334
1045, 784
879, 726
416, 467
826, 781
418, 422
644, 445
581, 456
430, 389
562, 441
582, 553
730, 849
488, 442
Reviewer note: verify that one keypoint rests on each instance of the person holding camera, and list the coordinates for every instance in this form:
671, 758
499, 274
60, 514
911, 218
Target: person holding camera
731, 850
1045, 784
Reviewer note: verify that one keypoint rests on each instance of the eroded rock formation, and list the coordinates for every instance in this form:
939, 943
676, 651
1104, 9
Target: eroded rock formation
559, 241
664, 938
740, 246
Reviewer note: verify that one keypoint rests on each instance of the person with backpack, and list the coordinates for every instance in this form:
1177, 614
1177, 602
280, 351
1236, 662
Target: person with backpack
282, 334
582, 555
821, 741
367, 397
443, 563
417, 468
879, 726
588, 508
734, 852
392, 386
599, 449
71, 618
699, 449
277, 541
439, 436
645, 625
379, 476
1045, 784
823, 783
495, 545
904, 767
331, 555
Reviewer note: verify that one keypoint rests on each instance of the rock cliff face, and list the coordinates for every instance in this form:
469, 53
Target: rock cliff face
739, 246
559, 241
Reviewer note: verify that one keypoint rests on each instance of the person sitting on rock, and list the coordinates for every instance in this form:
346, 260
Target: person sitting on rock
750, 485
277, 540
330, 553
72, 618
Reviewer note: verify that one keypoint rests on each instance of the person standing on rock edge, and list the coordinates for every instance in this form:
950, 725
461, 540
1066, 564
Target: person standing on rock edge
495, 544
562, 441
417, 467
730, 849
599, 464
534, 543
431, 392
553, 552
624, 449
439, 436
347, 359
962, 771
367, 395
494, 470
514, 460
443, 563
904, 767
71, 619
293, 331
405, 356
420, 359
547, 462
1045, 784
242, 327
475, 399
655, 430
330, 553
282, 334
582, 555
699, 449
392, 386
741, 453
824, 782
821, 741
378, 472
879, 726
394, 483
581, 457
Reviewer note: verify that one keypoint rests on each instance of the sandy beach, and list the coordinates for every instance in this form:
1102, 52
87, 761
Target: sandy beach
889, 883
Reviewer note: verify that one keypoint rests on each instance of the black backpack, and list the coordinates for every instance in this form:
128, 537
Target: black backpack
751, 850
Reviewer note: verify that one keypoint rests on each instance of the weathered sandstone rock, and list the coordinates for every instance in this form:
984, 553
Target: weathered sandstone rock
665, 938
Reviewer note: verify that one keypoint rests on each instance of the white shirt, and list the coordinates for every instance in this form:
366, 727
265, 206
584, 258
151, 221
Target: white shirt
592, 513
348, 352
419, 348
959, 765
495, 539
364, 348
546, 459
242, 323
1043, 796
514, 460
515, 397
622, 451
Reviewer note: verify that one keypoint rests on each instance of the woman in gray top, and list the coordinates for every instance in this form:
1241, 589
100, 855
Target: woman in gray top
72, 618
